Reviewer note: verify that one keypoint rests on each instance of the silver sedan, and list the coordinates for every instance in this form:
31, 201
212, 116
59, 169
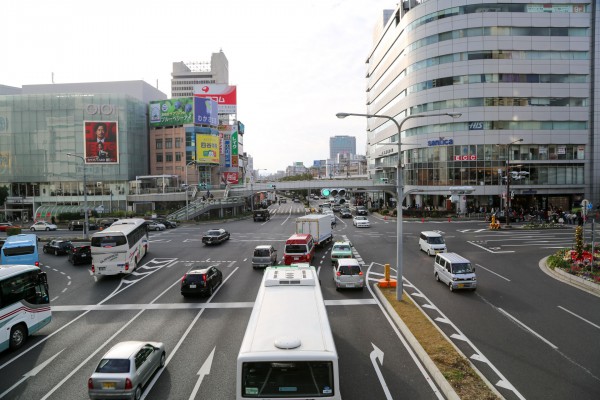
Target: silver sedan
125, 369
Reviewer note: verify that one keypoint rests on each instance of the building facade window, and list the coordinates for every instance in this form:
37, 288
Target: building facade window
159, 144
159, 157
168, 143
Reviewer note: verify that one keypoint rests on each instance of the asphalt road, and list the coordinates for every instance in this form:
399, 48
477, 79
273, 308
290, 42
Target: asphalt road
90, 315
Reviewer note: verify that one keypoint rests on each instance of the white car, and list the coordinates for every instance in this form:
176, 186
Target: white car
361, 222
156, 226
43, 226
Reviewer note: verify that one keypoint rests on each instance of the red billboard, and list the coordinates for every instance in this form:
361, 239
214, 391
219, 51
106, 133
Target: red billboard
101, 142
230, 177
224, 95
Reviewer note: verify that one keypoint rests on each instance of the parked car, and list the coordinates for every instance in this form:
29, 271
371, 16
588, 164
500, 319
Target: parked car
361, 222
215, 236
261, 215
77, 225
362, 210
347, 273
345, 213
106, 222
80, 254
201, 280
43, 226
283, 200
125, 369
341, 250
263, 256
57, 247
7, 225
155, 226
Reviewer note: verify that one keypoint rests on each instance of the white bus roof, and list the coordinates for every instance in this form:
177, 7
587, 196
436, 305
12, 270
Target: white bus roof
289, 320
6, 271
121, 226
20, 239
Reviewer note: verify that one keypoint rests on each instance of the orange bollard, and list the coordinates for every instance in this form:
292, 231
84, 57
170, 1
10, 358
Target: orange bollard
449, 219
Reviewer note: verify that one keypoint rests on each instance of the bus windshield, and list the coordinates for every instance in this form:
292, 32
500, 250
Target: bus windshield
18, 251
109, 241
287, 379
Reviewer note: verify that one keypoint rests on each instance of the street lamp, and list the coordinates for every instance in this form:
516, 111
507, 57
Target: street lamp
399, 184
507, 205
251, 185
85, 202
187, 187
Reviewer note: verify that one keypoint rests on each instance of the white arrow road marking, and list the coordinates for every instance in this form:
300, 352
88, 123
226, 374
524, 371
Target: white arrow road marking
204, 370
378, 354
31, 373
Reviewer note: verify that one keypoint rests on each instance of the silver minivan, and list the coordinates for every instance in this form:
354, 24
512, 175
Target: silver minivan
264, 256
432, 243
455, 271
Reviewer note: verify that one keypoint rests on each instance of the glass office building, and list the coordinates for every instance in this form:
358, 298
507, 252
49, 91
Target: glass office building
520, 73
38, 130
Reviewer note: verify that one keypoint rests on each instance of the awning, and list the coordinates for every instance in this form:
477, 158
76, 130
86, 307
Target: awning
45, 213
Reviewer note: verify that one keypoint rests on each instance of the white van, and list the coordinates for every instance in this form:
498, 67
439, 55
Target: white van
454, 271
432, 243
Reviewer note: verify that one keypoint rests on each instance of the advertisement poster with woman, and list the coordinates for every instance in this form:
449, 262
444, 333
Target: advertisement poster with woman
101, 142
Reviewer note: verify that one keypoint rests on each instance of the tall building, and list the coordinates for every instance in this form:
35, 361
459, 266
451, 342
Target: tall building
103, 125
524, 76
341, 145
186, 75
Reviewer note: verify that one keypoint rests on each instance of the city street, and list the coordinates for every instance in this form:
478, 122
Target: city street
525, 331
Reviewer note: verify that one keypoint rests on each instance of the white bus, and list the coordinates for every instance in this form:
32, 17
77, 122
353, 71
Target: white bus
119, 248
288, 350
24, 304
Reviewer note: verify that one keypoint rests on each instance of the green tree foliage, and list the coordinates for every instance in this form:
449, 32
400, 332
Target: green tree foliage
3, 194
301, 177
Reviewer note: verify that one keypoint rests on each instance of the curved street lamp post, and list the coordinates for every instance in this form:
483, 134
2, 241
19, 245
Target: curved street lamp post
187, 188
399, 184
85, 201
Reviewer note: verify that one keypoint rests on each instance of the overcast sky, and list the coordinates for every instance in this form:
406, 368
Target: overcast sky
295, 63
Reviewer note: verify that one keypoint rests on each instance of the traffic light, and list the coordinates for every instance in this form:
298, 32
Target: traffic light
333, 192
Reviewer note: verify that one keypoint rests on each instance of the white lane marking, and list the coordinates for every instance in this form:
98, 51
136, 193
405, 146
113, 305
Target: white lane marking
490, 271
580, 317
522, 325
494, 252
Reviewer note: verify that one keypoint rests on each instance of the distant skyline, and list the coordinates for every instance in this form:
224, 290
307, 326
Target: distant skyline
296, 64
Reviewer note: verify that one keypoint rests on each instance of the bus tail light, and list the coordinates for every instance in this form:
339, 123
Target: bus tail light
90, 383
37, 264
93, 269
126, 266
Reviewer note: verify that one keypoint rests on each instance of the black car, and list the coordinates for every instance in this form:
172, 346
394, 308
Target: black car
361, 210
261, 215
106, 222
78, 225
81, 254
215, 236
345, 213
57, 247
201, 280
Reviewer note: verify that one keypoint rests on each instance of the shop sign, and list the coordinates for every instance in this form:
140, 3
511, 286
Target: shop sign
469, 157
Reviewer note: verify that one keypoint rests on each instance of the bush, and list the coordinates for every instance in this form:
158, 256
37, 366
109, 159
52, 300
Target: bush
13, 231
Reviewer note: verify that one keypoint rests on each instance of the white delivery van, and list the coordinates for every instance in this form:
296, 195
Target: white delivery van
454, 271
432, 243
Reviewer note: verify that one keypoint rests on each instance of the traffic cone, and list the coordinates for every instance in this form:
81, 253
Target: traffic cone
422, 220
449, 219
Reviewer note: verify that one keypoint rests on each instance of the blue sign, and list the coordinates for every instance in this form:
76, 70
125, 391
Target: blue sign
440, 142
206, 111
476, 126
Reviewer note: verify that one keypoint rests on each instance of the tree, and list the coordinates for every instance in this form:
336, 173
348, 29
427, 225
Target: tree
3, 194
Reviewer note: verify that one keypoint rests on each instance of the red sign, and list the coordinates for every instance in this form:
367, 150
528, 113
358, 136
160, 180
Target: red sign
101, 142
230, 177
469, 157
224, 95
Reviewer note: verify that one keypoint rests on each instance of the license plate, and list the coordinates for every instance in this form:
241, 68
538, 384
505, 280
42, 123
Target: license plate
461, 285
350, 285
83, 256
109, 385
102, 268
192, 286
296, 258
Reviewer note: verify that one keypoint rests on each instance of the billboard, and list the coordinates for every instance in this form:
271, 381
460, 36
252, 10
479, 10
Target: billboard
177, 111
230, 177
101, 140
224, 95
206, 111
207, 149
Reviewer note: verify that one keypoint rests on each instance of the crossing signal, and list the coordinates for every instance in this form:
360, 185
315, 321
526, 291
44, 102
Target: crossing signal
333, 192
325, 192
